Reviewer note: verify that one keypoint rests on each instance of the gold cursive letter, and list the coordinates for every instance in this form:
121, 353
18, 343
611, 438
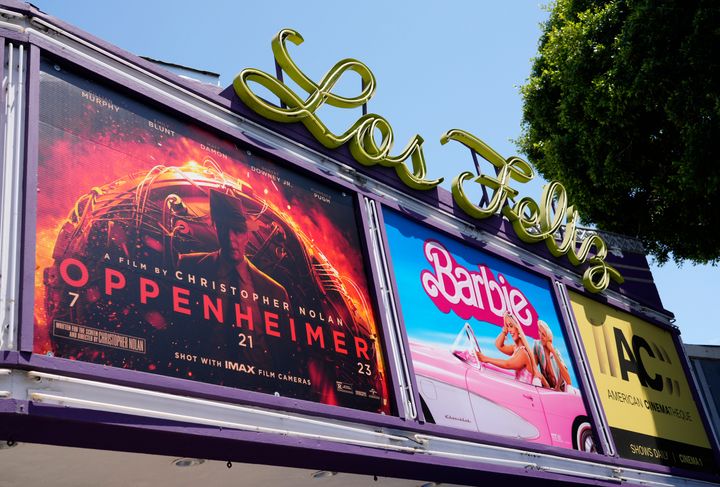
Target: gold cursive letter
360, 135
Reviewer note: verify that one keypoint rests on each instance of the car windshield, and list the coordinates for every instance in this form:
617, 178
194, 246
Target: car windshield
465, 346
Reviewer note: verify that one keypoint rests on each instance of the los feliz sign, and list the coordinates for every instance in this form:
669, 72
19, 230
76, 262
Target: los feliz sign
533, 222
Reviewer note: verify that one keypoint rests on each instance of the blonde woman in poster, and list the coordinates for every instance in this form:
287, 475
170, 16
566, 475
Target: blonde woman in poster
548, 360
521, 357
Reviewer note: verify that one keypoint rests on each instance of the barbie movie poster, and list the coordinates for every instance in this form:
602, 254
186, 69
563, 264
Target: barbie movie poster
165, 249
487, 347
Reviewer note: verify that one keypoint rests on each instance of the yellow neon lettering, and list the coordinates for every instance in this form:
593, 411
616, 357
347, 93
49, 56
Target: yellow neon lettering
507, 170
360, 135
531, 221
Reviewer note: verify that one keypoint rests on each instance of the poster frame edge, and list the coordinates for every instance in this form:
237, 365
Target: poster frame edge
375, 291
26, 296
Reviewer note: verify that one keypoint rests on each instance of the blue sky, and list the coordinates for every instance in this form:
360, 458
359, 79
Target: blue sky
438, 66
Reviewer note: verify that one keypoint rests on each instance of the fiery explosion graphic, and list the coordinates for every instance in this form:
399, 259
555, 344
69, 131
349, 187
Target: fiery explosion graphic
140, 191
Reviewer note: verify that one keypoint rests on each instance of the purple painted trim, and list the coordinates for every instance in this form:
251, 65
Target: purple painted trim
13, 35
29, 210
8, 358
184, 387
15, 5
12, 406
652, 467
95, 429
489, 439
376, 295
135, 422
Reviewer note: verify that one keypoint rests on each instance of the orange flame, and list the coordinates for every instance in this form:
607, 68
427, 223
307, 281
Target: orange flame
72, 164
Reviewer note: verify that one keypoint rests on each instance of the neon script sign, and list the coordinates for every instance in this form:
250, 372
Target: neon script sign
531, 221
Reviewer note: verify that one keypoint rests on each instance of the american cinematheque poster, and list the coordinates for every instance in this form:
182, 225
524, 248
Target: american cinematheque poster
165, 249
644, 391
487, 346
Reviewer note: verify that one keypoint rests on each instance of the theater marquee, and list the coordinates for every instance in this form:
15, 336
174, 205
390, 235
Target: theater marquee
192, 274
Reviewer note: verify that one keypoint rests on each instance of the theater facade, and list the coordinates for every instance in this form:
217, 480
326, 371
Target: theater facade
213, 285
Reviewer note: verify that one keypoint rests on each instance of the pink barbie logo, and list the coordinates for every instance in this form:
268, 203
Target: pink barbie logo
473, 294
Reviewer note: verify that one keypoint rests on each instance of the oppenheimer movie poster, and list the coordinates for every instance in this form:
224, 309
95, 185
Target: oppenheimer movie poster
163, 248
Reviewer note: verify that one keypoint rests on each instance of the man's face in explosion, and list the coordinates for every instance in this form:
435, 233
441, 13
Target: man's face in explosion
237, 243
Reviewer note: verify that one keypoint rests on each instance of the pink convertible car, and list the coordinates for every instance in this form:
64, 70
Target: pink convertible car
458, 390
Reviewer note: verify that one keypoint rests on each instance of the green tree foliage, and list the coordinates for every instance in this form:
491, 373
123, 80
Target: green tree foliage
623, 107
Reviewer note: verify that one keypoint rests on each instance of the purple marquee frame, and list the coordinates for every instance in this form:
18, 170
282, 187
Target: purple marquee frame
50, 424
